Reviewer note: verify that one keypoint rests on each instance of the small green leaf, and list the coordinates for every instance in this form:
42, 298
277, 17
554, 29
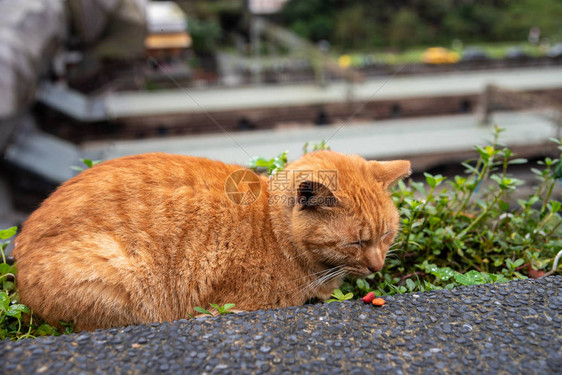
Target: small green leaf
68, 326
534, 199
430, 180
262, 162
16, 310
215, 306
46, 330
362, 284
202, 310
338, 294
518, 161
228, 306
9, 286
4, 301
419, 187
554, 206
503, 205
410, 285
498, 278
7, 233
470, 278
557, 170
5, 268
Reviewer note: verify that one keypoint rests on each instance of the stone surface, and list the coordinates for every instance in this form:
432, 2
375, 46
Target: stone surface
503, 328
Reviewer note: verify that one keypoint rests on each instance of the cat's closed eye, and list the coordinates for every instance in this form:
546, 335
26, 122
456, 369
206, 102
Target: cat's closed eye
357, 243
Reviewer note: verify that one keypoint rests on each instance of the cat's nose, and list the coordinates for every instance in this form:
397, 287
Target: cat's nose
375, 259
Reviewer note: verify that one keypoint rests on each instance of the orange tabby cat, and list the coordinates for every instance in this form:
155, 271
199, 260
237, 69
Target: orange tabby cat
147, 238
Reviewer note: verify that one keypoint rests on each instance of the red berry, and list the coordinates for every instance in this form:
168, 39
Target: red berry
369, 297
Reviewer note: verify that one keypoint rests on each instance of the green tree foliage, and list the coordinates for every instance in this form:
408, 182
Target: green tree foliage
403, 23
406, 28
351, 29
205, 34
523, 14
312, 19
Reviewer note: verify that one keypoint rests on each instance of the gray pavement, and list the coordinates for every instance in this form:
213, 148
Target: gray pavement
512, 328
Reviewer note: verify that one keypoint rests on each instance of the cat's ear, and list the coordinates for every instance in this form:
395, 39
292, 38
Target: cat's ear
390, 172
312, 194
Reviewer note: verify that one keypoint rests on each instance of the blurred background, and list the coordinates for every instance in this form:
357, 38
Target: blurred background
230, 80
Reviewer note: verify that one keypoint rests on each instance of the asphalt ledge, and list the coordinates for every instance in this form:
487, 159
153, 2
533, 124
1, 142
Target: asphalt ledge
512, 328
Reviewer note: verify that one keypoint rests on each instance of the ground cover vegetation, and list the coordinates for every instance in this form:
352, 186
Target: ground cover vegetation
460, 231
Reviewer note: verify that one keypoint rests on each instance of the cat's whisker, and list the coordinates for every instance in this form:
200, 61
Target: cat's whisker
323, 274
319, 282
320, 272
340, 273
332, 273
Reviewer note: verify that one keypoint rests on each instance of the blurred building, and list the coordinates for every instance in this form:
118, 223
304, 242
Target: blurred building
167, 37
265, 6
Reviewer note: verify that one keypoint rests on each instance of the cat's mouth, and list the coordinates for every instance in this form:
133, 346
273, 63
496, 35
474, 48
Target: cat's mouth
357, 270
365, 270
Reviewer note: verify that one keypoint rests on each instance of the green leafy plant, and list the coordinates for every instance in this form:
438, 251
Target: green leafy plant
16, 319
279, 162
224, 309
468, 230
339, 296
10, 310
272, 165
87, 162
323, 145
68, 327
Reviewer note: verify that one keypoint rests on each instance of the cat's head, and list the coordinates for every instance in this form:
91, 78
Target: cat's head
339, 210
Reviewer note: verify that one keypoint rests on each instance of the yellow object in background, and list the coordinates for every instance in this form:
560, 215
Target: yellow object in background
175, 40
440, 55
344, 61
